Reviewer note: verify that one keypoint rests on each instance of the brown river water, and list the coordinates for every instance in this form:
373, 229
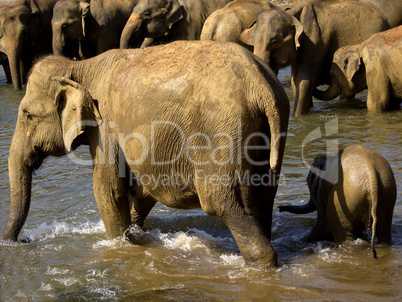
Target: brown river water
188, 255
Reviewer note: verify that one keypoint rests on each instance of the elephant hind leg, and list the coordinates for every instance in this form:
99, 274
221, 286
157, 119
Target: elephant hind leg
251, 236
384, 228
140, 208
378, 96
254, 245
340, 223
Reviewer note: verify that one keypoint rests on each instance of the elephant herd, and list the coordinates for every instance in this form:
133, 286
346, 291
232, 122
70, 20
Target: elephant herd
208, 119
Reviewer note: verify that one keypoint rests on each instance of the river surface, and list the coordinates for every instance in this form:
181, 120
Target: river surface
188, 255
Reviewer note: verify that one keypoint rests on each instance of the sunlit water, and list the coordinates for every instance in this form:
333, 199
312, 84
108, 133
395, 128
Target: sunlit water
187, 255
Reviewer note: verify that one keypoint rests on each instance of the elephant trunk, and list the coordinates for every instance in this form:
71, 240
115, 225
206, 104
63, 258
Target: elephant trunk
14, 59
263, 54
58, 42
332, 92
303, 209
20, 176
131, 32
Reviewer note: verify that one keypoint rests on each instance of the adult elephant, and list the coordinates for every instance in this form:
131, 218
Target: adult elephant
83, 30
163, 21
324, 30
392, 10
216, 116
26, 32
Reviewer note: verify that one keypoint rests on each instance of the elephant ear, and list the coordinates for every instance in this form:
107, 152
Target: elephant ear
77, 110
173, 12
298, 31
308, 19
247, 35
351, 64
84, 9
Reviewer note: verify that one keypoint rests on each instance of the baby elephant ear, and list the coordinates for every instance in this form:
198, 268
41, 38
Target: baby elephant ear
77, 111
247, 35
351, 64
173, 12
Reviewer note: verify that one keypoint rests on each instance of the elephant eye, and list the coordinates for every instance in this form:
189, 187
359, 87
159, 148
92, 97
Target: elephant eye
147, 14
273, 41
27, 114
64, 26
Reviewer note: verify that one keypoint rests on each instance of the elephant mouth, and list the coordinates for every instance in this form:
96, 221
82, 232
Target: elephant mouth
36, 158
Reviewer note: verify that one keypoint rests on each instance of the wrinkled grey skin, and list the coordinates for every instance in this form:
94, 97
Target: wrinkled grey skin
374, 64
82, 30
351, 192
392, 10
163, 21
26, 35
137, 110
324, 30
227, 24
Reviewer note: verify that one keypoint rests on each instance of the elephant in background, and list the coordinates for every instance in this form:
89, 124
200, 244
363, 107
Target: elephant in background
324, 30
26, 33
351, 192
392, 10
164, 21
374, 64
216, 116
84, 29
227, 24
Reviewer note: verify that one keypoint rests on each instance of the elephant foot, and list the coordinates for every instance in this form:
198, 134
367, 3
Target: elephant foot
25, 240
254, 245
138, 235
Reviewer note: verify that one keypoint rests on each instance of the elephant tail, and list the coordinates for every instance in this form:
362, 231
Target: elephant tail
303, 209
374, 206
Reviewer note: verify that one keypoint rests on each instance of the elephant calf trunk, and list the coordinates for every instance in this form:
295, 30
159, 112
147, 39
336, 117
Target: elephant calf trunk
303, 209
333, 91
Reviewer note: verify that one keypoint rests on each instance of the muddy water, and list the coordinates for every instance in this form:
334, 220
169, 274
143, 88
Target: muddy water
187, 255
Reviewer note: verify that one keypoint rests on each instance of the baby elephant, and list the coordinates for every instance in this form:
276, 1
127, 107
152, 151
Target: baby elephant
374, 64
352, 192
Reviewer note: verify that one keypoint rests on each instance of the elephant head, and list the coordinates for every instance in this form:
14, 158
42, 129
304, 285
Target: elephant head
347, 75
275, 37
150, 19
18, 28
52, 119
68, 26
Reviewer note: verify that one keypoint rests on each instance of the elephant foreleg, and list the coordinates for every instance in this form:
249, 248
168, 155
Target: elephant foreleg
304, 80
378, 96
112, 199
320, 231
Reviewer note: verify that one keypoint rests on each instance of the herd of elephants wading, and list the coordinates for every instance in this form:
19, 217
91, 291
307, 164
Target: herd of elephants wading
190, 86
